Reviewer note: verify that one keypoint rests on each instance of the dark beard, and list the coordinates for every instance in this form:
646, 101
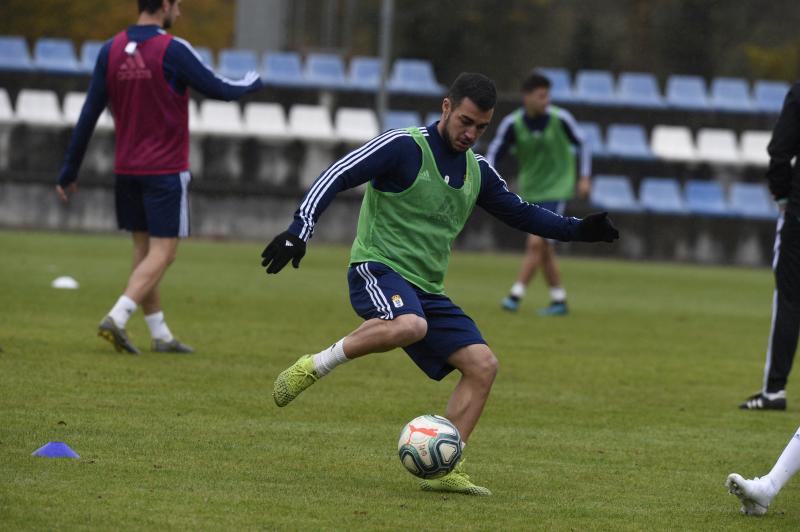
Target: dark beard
446, 135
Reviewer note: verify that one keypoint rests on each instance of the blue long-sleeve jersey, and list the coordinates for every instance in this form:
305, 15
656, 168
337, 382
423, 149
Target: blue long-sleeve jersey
183, 68
391, 163
506, 136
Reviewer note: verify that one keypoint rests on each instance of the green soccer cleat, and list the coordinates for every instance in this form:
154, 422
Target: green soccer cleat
294, 380
172, 346
456, 481
108, 330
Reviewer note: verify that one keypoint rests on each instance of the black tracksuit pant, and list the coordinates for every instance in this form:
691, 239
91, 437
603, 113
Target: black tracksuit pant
785, 327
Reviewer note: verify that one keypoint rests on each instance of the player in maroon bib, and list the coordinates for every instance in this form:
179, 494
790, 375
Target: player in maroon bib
143, 76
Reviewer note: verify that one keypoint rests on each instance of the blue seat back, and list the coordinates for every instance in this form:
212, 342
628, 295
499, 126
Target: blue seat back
705, 197
769, 95
614, 193
89, 52
627, 141
365, 72
325, 70
687, 92
730, 94
55, 55
752, 200
662, 195
401, 119
234, 64
433, 116
595, 86
283, 68
14, 54
593, 138
414, 76
561, 84
638, 89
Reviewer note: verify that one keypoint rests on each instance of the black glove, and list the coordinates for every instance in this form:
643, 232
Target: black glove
281, 250
597, 227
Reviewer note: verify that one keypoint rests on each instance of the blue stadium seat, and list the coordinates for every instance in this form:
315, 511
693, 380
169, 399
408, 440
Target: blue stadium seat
731, 95
14, 54
401, 119
365, 73
89, 52
687, 92
234, 64
613, 193
638, 89
206, 56
769, 95
414, 76
628, 141
751, 200
283, 68
595, 87
55, 55
561, 84
661, 195
593, 138
705, 198
325, 71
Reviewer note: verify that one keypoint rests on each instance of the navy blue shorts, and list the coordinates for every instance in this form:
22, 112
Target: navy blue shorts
155, 204
377, 291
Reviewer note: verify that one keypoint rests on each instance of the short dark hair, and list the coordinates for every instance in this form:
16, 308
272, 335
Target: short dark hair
476, 87
535, 80
151, 6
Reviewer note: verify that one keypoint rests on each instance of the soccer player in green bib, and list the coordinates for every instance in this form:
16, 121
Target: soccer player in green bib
422, 184
544, 139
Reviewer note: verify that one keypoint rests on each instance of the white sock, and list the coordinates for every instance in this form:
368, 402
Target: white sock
158, 326
122, 310
558, 294
787, 465
327, 359
518, 290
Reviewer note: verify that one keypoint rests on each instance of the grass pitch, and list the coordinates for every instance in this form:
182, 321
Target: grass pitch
621, 416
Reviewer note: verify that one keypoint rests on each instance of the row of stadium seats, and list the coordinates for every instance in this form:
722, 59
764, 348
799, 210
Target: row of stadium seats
311, 122
264, 120
690, 93
675, 143
666, 196
324, 71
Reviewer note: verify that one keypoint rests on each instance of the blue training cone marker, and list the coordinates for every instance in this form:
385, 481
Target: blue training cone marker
55, 449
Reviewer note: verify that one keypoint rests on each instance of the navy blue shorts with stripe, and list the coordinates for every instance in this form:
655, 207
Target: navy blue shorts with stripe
377, 291
155, 204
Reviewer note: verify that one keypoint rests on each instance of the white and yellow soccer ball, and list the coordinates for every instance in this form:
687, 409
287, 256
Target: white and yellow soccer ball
429, 446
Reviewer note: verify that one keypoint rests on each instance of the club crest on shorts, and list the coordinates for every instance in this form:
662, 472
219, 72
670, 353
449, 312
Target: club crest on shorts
397, 301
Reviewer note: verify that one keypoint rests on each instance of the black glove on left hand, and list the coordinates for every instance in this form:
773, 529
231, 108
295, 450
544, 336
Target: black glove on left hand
281, 250
597, 227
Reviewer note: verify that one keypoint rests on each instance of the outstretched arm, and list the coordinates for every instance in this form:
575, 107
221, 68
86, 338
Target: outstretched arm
380, 159
182, 58
96, 100
503, 204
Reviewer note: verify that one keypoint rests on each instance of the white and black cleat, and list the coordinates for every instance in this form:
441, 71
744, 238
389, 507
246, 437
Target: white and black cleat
765, 401
755, 495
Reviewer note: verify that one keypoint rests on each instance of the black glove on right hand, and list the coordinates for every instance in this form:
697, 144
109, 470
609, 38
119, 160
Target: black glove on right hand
281, 250
597, 227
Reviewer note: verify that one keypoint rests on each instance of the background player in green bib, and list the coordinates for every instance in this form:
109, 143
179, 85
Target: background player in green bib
544, 139
422, 185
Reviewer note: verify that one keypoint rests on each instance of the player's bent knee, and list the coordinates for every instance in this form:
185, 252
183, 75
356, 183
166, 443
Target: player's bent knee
409, 328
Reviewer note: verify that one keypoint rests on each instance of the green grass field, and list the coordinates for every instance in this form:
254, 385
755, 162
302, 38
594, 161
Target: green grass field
621, 416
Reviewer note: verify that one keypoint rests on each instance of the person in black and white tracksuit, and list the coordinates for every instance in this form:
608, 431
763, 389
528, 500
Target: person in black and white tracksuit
784, 183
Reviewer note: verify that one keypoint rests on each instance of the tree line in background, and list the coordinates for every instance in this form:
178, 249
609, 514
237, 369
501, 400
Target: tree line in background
750, 38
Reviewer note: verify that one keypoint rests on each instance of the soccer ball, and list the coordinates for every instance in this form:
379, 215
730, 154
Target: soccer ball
429, 446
